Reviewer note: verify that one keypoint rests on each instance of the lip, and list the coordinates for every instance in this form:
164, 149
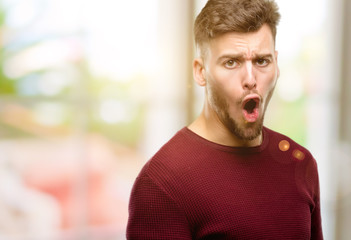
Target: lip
249, 97
253, 115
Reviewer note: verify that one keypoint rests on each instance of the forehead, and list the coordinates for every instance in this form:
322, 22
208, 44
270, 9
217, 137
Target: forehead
246, 44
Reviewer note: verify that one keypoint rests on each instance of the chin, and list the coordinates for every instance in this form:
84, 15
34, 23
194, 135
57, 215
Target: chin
250, 133
244, 131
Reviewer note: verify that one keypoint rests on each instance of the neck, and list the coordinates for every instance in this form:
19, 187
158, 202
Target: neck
209, 126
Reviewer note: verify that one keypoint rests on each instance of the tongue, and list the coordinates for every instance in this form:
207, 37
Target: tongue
251, 116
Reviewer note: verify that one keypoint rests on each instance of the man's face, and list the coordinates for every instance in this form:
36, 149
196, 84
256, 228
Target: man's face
240, 71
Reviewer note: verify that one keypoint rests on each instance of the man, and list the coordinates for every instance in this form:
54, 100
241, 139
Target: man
226, 176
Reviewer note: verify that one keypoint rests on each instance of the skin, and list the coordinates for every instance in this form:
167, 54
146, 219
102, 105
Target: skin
235, 68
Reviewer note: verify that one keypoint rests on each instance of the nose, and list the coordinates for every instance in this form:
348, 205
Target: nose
249, 80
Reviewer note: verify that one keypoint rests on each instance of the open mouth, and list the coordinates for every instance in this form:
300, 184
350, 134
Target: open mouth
251, 109
250, 105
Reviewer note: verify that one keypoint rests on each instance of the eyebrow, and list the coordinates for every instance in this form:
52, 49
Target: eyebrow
241, 56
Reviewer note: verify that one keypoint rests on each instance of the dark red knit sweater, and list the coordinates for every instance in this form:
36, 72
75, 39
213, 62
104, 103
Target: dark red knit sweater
196, 189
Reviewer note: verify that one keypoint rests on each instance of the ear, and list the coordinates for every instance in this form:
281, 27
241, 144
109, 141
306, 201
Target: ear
199, 71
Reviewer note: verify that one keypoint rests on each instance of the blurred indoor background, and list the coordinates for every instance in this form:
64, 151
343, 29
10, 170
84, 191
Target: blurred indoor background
90, 89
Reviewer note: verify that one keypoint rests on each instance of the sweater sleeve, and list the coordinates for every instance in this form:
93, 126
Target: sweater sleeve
153, 214
316, 222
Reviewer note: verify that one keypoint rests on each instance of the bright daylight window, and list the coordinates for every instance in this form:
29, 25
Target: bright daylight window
71, 114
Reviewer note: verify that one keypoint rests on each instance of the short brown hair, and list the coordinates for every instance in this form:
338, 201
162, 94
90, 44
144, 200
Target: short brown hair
222, 16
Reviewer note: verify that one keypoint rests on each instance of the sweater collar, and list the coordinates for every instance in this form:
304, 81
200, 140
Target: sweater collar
243, 150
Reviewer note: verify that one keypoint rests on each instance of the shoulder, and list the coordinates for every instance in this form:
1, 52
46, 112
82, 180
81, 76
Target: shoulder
176, 146
173, 158
284, 144
287, 151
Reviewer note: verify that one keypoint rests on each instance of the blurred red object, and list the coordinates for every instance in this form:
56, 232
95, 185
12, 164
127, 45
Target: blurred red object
83, 183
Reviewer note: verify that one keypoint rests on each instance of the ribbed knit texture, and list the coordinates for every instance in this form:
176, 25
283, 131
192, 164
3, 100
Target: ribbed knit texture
196, 189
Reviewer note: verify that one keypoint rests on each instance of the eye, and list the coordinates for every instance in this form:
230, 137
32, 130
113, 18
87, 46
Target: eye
232, 63
262, 62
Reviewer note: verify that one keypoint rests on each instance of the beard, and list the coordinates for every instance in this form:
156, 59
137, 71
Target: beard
242, 130
246, 131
